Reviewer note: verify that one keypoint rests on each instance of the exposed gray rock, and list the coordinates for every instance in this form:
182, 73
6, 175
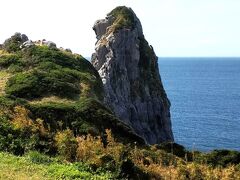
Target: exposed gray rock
100, 26
129, 71
27, 44
51, 44
24, 38
68, 50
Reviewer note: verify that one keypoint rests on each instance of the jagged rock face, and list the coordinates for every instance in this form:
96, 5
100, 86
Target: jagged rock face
130, 75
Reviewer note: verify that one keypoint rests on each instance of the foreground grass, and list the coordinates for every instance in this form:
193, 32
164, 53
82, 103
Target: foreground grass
12, 167
34, 167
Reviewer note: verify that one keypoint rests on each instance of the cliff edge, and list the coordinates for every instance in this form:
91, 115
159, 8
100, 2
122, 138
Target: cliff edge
129, 71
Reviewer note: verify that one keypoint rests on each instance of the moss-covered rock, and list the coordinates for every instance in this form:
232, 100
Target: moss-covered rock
123, 17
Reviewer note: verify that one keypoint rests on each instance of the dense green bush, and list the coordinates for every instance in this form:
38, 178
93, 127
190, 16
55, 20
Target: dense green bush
173, 148
19, 133
14, 140
41, 54
39, 71
214, 158
13, 44
7, 60
219, 158
39, 83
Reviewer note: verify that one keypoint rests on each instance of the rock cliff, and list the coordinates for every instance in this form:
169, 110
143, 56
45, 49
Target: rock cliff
129, 70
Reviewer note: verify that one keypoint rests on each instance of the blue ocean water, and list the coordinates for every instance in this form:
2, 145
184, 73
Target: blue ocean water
205, 101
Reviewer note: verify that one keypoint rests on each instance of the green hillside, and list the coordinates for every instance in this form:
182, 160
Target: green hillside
53, 125
37, 166
55, 88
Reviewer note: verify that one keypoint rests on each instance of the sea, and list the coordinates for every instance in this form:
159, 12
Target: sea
205, 101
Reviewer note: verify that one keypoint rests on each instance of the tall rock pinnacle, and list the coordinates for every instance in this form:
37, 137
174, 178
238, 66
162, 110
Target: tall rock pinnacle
130, 75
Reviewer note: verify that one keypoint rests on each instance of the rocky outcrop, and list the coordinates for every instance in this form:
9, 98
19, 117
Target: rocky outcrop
20, 41
130, 75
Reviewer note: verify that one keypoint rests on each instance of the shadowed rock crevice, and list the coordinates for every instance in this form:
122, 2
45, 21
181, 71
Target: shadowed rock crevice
129, 70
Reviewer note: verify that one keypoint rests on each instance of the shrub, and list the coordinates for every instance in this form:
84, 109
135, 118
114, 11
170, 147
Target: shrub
90, 149
13, 140
66, 144
13, 44
128, 170
36, 84
108, 156
86, 116
173, 148
38, 158
43, 71
7, 60
222, 158
114, 148
195, 171
19, 133
183, 172
21, 120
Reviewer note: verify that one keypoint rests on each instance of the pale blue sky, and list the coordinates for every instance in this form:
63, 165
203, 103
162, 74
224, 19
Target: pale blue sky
173, 27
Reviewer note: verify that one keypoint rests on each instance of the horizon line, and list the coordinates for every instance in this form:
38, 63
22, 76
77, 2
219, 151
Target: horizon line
190, 57
198, 56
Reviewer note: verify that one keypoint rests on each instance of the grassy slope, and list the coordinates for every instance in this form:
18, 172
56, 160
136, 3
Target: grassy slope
144, 164
12, 167
26, 167
58, 87
43, 92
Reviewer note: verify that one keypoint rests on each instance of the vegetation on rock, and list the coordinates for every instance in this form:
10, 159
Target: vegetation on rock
148, 66
123, 18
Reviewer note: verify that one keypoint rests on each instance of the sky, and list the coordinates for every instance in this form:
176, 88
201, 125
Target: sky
175, 28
